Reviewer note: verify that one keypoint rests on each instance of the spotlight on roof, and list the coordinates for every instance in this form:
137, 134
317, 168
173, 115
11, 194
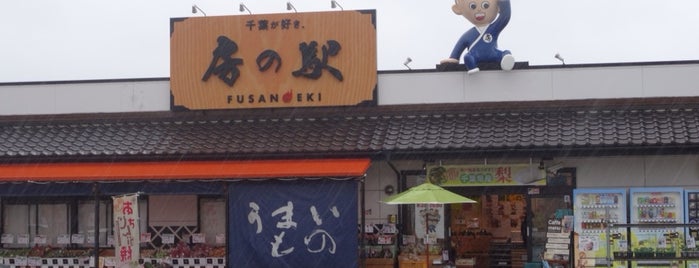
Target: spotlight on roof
243, 8
408, 61
195, 8
289, 6
558, 56
335, 4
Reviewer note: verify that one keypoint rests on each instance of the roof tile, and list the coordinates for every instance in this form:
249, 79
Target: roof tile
365, 130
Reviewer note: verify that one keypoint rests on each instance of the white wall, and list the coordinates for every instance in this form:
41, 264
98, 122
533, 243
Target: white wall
378, 177
540, 84
630, 81
84, 97
639, 171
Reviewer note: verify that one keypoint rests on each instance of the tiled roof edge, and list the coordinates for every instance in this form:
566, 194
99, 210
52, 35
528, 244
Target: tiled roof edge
555, 106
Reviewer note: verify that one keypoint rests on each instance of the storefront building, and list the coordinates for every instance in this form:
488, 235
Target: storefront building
190, 167
150, 173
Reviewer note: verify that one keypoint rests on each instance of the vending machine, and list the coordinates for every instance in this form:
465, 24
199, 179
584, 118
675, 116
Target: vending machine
691, 216
594, 241
655, 237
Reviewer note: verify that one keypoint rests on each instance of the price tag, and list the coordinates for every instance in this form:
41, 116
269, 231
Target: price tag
109, 262
167, 238
77, 238
369, 229
40, 239
63, 239
23, 239
8, 238
145, 238
691, 243
198, 238
220, 238
385, 240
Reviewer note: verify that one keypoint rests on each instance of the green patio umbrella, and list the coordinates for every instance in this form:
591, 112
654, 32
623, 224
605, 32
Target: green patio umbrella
426, 193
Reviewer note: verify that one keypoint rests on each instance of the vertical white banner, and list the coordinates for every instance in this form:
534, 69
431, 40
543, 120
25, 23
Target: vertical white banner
126, 230
433, 216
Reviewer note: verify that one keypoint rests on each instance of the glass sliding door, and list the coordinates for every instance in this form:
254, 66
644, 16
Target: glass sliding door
542, 209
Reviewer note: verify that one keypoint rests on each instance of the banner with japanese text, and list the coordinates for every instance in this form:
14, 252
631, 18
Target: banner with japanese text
486, 175
126, 230
300, 223
429, 219
273, 60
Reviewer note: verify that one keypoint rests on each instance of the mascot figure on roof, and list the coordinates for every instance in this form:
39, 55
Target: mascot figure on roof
489, 18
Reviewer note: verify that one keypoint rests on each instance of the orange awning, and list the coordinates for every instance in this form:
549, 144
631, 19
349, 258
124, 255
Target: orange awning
184, 170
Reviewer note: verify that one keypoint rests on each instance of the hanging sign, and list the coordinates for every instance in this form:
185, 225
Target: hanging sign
273, 60
126, 230
293, 224
429, 222
485, 175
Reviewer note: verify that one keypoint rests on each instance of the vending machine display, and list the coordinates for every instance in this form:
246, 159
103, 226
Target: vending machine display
691, 215
656, 239
595, 210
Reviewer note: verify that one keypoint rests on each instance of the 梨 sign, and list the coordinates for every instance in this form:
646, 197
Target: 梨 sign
273, 60
485, 175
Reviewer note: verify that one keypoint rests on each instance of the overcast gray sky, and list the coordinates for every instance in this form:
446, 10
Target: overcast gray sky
49, 40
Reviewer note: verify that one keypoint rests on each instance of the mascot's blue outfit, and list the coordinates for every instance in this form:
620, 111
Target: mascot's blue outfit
483, 47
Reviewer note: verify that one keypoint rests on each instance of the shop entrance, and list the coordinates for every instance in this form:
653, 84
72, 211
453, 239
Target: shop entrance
542, 209
489, 233
508, 225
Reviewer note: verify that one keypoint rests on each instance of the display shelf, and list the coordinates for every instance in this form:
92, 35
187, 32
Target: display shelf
558, 263
466, 262
673, 254
655, 205
652, 258
595, 210
480, 260
380, 245
610, 206
385, 259
518, 255
417, 261
472, 243
380, 263
500, 254
655, 229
